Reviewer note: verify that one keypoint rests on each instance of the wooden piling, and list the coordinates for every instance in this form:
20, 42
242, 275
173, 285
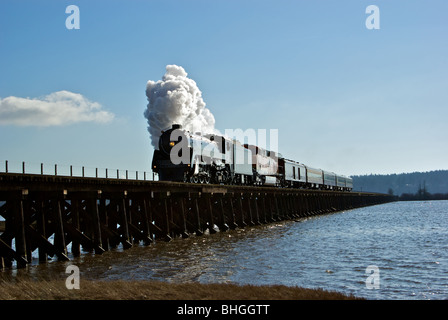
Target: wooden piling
19, 230
198, 227
209, 209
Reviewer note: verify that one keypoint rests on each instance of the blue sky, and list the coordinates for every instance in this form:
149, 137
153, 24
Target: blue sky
343, 97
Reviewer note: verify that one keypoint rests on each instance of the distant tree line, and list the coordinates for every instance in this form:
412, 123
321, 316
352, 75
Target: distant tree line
422, 194
432, 185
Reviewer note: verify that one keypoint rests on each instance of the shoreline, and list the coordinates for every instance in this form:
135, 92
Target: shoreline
26, 289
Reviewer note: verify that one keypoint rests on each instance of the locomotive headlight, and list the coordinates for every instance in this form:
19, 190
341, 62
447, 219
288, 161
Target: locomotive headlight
172, 144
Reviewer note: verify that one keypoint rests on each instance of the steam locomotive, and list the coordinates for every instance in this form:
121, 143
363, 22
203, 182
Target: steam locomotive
196, 158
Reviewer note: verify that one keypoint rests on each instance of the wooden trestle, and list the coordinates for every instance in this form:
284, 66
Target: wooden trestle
48, 213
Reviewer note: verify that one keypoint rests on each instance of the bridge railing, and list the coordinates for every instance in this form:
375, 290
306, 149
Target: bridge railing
23, 167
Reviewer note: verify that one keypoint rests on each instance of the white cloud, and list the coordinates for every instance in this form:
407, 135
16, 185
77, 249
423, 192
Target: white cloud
56, 109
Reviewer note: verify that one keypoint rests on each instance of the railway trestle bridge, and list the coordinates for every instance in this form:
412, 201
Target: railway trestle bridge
50, 213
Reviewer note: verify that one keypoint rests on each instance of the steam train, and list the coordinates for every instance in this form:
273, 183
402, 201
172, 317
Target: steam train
192, 157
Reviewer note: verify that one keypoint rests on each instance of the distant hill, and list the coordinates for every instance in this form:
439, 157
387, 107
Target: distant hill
433, 181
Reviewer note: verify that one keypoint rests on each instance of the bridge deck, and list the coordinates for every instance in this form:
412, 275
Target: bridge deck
97, 214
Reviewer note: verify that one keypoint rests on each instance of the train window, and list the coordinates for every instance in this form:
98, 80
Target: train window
298, 173
293, 172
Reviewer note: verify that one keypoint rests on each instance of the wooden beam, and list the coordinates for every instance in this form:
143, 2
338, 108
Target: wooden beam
45, 245
7, 252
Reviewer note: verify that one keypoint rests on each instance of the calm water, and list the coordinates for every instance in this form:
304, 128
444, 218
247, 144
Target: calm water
407, 241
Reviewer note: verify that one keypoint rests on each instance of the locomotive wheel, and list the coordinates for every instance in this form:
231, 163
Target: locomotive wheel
194, 179
207, 179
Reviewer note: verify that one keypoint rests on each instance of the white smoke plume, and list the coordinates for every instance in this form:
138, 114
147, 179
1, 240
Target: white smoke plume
176, 99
